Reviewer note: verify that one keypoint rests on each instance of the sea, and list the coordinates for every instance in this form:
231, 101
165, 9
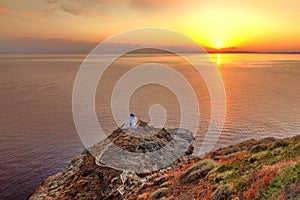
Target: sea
38, 136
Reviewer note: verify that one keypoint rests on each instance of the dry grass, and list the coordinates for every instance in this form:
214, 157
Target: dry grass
198, 170
161, 192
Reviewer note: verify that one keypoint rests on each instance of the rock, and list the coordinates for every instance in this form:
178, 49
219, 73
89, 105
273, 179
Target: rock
190, 150
145, 186
71, 184
121, 189
153, 148
128, 176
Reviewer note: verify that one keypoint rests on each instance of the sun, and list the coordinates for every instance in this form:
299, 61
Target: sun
219, 45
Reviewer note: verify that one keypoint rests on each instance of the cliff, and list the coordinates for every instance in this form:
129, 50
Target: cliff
264, 169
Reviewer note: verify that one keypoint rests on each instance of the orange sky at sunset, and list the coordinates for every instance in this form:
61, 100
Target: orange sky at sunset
257, 25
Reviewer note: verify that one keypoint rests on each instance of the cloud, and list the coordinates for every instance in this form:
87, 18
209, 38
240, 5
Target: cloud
85, 8
93, 8
153, 4
51, 1
79, 7
23, 14
3, 10
90, 8
16, 12
72, 9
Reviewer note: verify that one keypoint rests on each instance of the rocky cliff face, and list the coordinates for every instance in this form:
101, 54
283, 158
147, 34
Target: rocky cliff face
143, 149
82, 179
89, 177
265, 169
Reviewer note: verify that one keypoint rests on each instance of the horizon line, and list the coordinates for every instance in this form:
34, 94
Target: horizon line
209, 52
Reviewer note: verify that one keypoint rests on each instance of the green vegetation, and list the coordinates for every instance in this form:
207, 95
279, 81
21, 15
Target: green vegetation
224, 168
231, 150
161, 192
258, 148
279, 143
252, 173
198, 170
258, 156
223, 176
222, 193
290, 175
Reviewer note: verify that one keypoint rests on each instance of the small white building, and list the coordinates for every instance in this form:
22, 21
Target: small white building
131, 123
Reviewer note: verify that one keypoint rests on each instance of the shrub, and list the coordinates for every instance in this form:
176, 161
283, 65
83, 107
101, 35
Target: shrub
223, 176
290, 175
296, 148
224, 168
161, 192
231, 150
165, 184
222, 193
258, 148
247, 144
278, 143
258, 156
198, 170
267, 140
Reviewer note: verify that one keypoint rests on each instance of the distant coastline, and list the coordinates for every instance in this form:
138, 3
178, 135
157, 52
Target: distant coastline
209, 52
253, 52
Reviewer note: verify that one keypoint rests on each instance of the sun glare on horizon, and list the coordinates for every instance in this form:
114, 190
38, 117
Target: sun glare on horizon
219, 45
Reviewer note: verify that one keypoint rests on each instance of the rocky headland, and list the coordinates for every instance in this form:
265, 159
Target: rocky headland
264, 169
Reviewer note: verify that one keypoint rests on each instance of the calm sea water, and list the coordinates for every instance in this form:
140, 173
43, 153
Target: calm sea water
37, 131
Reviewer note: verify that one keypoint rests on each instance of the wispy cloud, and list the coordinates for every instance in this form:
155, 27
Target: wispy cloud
99, 7
51, 1
89, 8
15, 12
22, 13
80, 7
143, 5
3, 10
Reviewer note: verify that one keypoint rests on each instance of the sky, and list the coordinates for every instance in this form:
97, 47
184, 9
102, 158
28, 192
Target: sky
78, 25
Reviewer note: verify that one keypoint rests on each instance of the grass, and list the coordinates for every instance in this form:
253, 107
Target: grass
258, 156
224, 168
198, 170
263, 169
279, 143
290, 175
223, 176
161, 192
253, 172
231, 150
258, 148
222, 193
